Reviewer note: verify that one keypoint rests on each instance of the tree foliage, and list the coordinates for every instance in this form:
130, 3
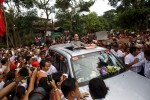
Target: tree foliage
93, 22
132, 14
110, 16
18, 21
46, 6
69, 12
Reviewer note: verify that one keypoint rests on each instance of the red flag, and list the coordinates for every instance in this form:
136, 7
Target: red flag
2, 24
1, 1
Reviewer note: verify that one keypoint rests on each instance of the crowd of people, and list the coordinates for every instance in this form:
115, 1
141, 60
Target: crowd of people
28, 73
135, 53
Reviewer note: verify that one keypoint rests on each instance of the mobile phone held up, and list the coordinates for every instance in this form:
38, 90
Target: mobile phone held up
49, 78
32, 69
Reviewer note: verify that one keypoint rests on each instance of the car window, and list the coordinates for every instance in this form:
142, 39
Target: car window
88, 66
59, 61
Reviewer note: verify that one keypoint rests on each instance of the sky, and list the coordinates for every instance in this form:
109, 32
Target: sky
100, 6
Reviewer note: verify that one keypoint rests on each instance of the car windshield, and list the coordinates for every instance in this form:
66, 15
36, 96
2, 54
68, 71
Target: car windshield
103, 64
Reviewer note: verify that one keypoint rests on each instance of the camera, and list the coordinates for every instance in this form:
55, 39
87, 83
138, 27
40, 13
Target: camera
49, 78
32, 68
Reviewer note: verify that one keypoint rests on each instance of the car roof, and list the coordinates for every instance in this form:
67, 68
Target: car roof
63, 48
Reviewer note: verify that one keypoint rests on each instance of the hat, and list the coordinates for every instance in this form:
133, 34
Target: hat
35, 64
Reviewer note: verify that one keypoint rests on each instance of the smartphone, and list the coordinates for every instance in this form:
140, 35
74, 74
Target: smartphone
49, 78
24, 80
32, 68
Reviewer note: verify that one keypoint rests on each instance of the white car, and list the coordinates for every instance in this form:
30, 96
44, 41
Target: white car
85, 64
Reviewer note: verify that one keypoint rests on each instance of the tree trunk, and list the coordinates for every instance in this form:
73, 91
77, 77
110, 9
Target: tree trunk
13, 29
46, 26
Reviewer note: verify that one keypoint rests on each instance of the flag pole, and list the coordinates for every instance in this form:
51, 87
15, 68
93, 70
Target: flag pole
7, 42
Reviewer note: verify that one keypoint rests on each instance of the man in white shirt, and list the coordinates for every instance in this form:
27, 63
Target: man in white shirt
51, 69
133, 60
118, 53
147, 63
46, 69
44, 66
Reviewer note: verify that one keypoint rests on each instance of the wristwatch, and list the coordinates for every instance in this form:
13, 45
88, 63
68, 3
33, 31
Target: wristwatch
56, 90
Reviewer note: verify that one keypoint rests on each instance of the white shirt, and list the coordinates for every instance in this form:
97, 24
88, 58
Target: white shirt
37, 57
147, 69
12, 58
119, 53
47, 53
43, 71
29, 65
1, 84
51, 70
142, 55
130, 58
3, 68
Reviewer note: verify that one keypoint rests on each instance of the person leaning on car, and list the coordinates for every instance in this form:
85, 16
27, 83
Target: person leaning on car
133, 60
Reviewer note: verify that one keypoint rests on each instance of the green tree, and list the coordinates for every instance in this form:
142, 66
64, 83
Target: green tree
25, 27
69, 12
12, 13
110, 17
93, 22
48, 7
132, 14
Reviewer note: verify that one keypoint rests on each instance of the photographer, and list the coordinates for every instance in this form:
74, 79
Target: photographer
44, 89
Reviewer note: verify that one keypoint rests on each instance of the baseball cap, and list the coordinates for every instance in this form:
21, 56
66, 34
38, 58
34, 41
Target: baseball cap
35, 64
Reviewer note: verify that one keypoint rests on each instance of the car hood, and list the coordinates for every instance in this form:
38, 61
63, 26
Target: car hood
126, 86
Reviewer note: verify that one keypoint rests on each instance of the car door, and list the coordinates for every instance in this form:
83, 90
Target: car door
59, 61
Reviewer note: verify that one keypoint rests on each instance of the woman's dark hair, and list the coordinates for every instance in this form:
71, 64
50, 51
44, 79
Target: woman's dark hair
97, 88
35, 83
56, 76
20, 91
4, 61
39, 93
28, 58
42, 63
10, 75
23, 72
43, 83
68, 85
